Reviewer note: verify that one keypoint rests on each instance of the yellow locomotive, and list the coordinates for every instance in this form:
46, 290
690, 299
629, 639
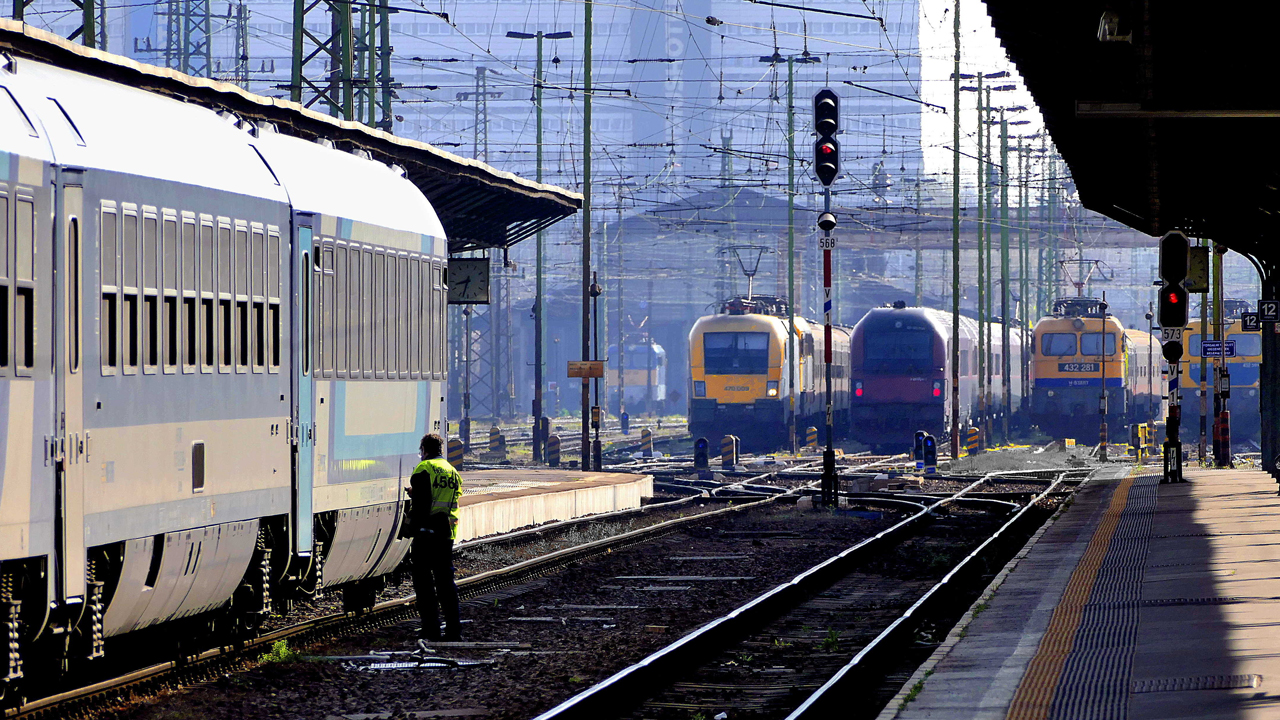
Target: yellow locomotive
1242, 371
1078, 350
740, 373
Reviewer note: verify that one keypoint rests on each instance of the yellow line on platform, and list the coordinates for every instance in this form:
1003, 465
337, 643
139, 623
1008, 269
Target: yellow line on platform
1034, 697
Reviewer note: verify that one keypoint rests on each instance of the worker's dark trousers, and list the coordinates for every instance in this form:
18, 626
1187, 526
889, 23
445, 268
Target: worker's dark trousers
433, 580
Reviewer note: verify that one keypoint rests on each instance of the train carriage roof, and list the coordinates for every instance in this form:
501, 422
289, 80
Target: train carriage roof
478, 206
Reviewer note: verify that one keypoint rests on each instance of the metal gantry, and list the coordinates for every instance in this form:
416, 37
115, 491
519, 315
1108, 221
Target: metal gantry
348, 69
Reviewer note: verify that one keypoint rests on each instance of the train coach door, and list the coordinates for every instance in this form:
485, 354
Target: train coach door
68, 444
303, 422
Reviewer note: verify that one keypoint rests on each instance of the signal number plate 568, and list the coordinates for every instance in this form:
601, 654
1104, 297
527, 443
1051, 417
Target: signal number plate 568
826, 243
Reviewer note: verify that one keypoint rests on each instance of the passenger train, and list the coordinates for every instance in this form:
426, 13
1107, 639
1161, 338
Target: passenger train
644, 380
219, 346
1077, 348
740, 373
901, 374
1243, 370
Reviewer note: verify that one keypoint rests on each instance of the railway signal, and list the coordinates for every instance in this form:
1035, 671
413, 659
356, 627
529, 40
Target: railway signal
930, 455
1171, 310
917, 453
826, 150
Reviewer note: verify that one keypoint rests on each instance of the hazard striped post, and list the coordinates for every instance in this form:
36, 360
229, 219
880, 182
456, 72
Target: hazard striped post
646, 442
456, 451
495, 436
729, 452
553, 450
811, 437
971, 443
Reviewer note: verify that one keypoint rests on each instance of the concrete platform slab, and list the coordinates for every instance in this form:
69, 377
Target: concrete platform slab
497, 501
1140, 601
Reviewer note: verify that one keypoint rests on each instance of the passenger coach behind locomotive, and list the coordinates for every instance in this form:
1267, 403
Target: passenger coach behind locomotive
221, 345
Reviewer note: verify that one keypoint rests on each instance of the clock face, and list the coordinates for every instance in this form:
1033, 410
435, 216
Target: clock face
469, 281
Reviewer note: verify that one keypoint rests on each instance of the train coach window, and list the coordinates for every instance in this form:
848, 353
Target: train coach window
439, 309
340, 309
259, 337
416, 317
4, 283
197, 467
1247, 343
378, 329
327, 310
1091, 344
1193, 345
226, 335
366, 312
242, 335
24, 307
73, 253
1058, 344
735, 353
274, 311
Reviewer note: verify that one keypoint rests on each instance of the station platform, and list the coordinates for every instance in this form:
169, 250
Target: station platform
497, 501
1139, 600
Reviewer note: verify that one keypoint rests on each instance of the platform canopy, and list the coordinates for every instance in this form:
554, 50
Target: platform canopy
1167, 113
479, 206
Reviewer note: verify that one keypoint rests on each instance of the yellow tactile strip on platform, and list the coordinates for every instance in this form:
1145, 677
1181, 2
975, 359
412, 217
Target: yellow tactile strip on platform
1034, 697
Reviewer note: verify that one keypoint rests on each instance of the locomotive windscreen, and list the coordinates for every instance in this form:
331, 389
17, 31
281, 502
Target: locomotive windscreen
735, 353
898, 350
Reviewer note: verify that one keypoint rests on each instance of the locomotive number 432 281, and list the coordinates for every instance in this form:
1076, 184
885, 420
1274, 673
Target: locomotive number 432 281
1079, 367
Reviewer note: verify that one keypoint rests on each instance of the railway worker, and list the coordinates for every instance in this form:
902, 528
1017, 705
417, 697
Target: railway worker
435, 487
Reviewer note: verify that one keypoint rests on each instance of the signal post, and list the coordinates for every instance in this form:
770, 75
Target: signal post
1172, 314
826, 164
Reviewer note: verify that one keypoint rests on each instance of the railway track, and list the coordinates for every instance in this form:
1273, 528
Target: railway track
710, 670
219, 661
213, 662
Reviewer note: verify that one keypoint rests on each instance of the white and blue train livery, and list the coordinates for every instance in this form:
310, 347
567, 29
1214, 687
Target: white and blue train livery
219, 346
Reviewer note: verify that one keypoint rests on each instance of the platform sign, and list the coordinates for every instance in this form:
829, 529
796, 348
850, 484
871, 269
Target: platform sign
1269, 310
1250, 322
1218, 348
586, 368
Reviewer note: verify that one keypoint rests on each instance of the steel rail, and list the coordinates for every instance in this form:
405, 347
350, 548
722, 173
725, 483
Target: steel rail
605, 697
836, 690
383, 613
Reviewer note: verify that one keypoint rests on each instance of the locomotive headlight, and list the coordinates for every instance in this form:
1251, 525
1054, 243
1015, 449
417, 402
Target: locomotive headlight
857, 388
699, 388
771, 388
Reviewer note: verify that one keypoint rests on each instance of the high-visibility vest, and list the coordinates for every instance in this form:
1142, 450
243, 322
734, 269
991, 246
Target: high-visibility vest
435, 482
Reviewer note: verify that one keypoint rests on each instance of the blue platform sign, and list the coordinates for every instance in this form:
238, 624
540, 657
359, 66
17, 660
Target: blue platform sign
1218, 348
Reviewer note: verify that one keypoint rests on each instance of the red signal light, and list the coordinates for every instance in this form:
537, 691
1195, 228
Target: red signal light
827, 148
858, 392
1173, 298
